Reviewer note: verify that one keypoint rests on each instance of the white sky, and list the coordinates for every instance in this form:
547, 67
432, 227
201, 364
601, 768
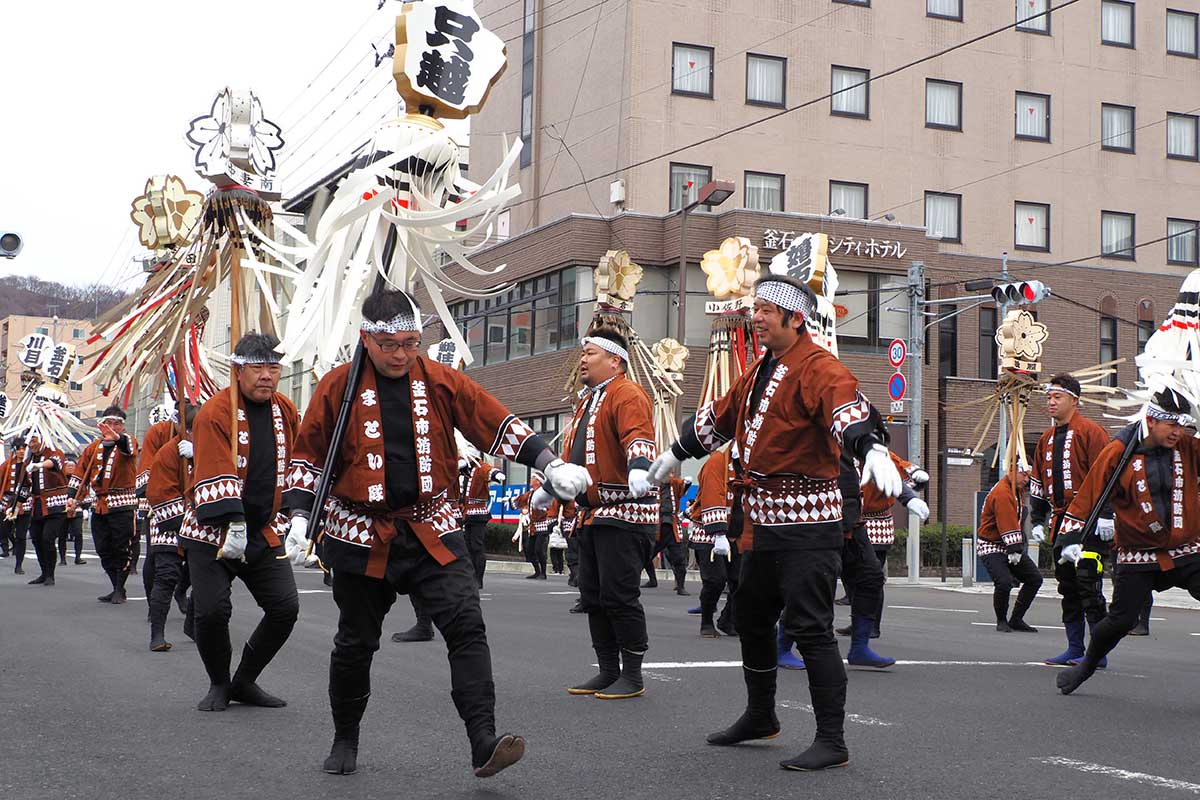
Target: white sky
97, 97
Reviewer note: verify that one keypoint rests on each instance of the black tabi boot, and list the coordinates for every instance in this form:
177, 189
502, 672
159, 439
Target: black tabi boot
725, 620
758, 721
1000, 606
158, 640
476, 704
243, 688
829, 746
680, 579
347, 714
1017, 620
707, 629
107, 598
189, 620
422, 631
609, 659
630, 683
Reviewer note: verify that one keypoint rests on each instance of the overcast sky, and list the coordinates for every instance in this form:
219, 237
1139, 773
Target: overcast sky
97, 97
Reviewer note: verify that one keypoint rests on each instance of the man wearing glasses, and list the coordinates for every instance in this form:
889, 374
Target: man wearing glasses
390, 526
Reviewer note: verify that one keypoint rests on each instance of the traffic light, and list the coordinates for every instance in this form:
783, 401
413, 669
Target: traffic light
10, 244
1020, 293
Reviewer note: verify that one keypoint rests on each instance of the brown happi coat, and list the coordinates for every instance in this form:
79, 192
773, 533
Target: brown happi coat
217, 495
538, 521
620, 437
877, 508
169, 493
110, 473
14, 489
156, 436
1000, 522
477, 499
1143, 539
675, 489
48, 486
710, 509
789, 446
1084, 441
359, 525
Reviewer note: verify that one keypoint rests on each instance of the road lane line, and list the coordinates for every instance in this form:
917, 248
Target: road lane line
1048, 627
1122, 774
856, 718
901, 663
313, 591
927, 608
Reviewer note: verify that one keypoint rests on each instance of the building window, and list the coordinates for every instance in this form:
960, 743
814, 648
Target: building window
866, 3
1181, 246
1116, 23
1182, 27
1182, 132
851, 92
1033, 116
1116, 235
529, 9
947, 342
1146, 323
1116, 128
943, 216
692, 70
1032, 226
766, 80
1032, 16
77, 414
75, 386
764, 191
943, 105
989, 351
686, 180
851, 198
865, 296
944, 9
539, 315
44, 331
78, 333
1108, 336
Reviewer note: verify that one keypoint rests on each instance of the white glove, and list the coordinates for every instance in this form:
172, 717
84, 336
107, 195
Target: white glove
541, 500
919, 476
35, 466
878, 469
1072, 553
1014, 558
639, 483
1105, 529
297, 545
920, 508
499, 477
185, 448
664, 467
721, 546
567, 480
235, 542
1038, 534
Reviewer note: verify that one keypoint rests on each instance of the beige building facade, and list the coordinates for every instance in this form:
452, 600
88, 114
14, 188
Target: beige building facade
1060, 138
86, 402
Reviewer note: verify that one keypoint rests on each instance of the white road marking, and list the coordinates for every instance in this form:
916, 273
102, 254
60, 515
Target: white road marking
654, 676
570, 592
1122, 774
857, 718
900, 663
313, 591
926, 608
131, 597
1048, 627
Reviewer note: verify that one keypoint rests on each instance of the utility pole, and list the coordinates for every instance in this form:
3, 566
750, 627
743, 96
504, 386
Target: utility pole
916, 347
1002, 447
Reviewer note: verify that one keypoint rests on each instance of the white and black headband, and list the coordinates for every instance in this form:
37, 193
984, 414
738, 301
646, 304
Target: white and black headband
1054, 387
242, 361
607, 345
785, 294
402, 322
1155, 411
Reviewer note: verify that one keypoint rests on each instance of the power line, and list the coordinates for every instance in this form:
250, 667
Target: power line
321, 72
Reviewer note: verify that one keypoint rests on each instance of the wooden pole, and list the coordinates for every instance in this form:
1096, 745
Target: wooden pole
235, 333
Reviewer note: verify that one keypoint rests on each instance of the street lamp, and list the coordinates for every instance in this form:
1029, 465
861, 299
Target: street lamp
712, 193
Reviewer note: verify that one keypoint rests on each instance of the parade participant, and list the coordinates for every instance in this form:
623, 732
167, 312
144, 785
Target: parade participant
14, 494
169, 492
881, 523
569, 514
156, 436
558, 542
1001, 545
1153, 468
476, 481
48, 494
612, 435
234, 528
670, 536
791, 413
389, 527
107, 469
1061, 462
538, 523
73, 530
708, 536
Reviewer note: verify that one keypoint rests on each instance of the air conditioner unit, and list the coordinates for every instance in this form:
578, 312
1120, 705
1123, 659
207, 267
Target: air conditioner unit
616, 191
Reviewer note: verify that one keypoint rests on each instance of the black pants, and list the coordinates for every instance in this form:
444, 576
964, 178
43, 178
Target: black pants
135, 544
168, 566
1005, 578
73, 530
675, 553
535, 551
572, 553
44, 532
477, 548
1082, 592
610, 566
448, 594
1131, 589
148, 566
716, 573
112, 534
267, 573
863, 572
556, 559
15, 531
800, 584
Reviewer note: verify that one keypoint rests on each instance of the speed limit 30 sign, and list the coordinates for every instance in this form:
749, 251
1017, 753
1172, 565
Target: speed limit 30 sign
897, 352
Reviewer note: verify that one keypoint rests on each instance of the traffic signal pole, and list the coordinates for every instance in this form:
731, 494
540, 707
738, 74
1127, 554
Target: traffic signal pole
916, 385
1002, 447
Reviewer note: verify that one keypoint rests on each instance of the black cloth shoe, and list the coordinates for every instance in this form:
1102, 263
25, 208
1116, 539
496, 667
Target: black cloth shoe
106, 598
630, 684
652, 583
347, 714
342, 758
421, 632
158, 640
577, 608
217, 698
828, 749
79, 560
495, 753
573, 581
48, 582
1140, 629
1002, 626
610, 670
681, 591
38, 580
63, 561
1021, 626
536, 574
842, 601
1071, 679
251, 694
709, 631
725, 626
19, 571
846, 631
758, 721
118, 597
820, 755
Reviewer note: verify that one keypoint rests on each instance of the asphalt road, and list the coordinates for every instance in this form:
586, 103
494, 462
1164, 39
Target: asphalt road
86, 711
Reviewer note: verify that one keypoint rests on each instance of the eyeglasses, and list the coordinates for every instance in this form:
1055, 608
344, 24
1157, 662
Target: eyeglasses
391, 346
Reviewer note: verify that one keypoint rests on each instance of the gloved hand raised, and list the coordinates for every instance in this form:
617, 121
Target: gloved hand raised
878, 468
664, 467
1105, 529
920, 508
1038, 534
919, 476
541, 500
567, 480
